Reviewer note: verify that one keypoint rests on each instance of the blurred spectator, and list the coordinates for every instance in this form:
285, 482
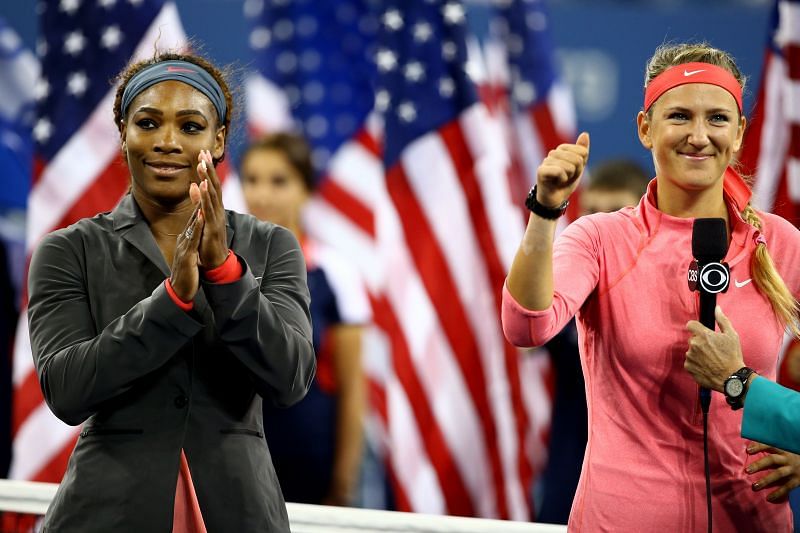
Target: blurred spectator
316, 445
612, 185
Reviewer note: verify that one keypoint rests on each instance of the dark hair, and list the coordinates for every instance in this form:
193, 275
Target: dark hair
124, 77
291, 145
618, 175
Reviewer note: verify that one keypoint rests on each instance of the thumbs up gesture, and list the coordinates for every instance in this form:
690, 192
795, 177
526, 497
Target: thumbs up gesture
559, 174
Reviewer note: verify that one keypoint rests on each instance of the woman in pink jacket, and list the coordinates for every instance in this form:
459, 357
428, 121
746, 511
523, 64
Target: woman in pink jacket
624, 275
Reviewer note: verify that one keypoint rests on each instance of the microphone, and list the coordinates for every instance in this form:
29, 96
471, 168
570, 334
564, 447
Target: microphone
708, 274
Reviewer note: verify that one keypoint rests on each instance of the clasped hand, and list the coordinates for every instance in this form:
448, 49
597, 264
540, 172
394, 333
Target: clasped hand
203, 242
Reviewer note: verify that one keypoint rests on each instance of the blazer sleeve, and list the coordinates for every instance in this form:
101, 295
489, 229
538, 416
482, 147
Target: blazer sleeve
772, 415
78, 367
267, 325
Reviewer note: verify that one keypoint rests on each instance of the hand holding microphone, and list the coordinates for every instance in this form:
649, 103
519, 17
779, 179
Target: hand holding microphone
713, 356
708, 275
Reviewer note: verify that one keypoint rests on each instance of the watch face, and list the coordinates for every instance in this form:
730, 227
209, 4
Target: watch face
734, 388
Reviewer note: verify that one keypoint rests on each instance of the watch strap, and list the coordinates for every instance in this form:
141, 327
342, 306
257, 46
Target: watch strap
549, 213
742, 375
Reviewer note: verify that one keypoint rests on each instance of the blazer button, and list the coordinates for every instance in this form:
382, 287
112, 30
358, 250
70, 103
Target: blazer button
181, 401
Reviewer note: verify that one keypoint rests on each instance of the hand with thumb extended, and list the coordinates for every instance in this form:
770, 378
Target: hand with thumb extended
713, 356
559, 174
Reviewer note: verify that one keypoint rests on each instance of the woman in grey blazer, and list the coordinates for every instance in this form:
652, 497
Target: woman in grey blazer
161, 325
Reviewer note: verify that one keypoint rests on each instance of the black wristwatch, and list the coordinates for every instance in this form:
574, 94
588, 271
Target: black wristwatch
735, 387
550, 213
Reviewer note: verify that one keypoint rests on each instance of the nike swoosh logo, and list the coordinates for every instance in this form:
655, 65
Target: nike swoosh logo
179, 69
692, 72
740, 284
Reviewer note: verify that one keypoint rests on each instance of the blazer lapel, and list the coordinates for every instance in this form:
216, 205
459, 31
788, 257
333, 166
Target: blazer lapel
131, 225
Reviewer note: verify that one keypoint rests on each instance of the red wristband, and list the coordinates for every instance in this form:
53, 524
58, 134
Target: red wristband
228, 272
186, 306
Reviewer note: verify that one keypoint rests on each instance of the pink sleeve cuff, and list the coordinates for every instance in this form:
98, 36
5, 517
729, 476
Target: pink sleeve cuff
186, 306
519, 323
228, 272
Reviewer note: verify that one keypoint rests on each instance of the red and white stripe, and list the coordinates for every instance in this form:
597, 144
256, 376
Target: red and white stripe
85, 177
771, 150
433, 238
455, 419
529, 133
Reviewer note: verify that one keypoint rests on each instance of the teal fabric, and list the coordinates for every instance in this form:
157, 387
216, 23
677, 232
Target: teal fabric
772, 415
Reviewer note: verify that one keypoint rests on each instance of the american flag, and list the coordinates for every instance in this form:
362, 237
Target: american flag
416, 192
771, 150
78, 171
520, 84
18, 72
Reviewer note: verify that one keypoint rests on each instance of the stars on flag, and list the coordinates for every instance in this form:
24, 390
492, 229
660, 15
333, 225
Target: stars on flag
41, 89
69, 6
77, 83
260, 38
446, 87
386, 60
407, 112
453, 13
393, 20
79, 58
422, 32
41, 47
449, 50
111, 37
74, 43
307, 50
414, 71
42, 130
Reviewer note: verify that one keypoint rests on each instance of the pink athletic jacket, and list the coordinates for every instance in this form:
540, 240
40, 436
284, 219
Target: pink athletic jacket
625, 276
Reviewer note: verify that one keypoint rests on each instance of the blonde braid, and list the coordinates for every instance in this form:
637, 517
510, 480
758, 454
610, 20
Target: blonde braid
769, 282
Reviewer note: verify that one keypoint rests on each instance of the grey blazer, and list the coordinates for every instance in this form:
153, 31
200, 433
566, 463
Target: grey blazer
147, 379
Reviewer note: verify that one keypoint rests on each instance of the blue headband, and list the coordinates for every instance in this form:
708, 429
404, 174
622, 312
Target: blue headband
182, 71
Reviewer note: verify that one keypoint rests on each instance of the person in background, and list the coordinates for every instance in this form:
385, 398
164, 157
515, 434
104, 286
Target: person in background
624, 275
162, 324
612, 185
316, 445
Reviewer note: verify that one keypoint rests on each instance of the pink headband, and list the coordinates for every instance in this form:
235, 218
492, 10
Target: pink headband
692, 73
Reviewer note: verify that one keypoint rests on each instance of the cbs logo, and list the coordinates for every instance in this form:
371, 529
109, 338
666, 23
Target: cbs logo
714, 278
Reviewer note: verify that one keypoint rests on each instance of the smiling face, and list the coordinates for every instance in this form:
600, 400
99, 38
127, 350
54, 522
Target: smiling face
166, 127
693, 131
